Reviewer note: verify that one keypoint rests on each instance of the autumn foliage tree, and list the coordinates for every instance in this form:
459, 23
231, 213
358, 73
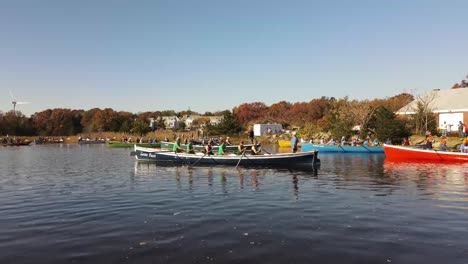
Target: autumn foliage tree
56, 122
250, 112
327, 115
279, 113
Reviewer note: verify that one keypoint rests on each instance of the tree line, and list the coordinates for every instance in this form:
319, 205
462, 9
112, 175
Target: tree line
337, 117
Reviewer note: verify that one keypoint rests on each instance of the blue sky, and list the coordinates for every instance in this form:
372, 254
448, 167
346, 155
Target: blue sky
211, 55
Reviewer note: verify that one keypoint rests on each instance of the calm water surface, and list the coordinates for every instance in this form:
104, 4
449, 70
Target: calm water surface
92, 204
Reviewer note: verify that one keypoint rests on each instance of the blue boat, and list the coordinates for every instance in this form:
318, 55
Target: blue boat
342, 149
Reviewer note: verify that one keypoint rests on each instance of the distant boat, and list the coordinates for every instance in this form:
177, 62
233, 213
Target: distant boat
402, 153
89, 142
24, 143
48, 141
287, 144
342, 149
290, 160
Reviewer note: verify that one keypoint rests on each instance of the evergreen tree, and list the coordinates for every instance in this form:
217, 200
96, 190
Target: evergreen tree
228, 126
140, 127
384, 125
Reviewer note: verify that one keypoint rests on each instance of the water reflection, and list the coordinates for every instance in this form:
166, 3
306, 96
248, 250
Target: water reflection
96, 205
222, 177
295, 182
446, 183
454, 173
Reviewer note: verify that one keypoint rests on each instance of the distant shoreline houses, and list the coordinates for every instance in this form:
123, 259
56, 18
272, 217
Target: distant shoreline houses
449, 106
174, 122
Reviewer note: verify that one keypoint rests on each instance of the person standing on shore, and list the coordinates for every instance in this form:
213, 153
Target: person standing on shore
460, 129
444, 129
251, 135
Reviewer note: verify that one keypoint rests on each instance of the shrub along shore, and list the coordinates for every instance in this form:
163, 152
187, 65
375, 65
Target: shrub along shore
453, 142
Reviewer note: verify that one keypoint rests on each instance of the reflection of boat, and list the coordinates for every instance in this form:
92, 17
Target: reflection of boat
196, 147
339, 148
393, 152
423, 169
118, 144
278, 159
287, 144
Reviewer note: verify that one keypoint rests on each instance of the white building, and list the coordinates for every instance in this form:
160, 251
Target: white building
170, 122
266, 129
451, 106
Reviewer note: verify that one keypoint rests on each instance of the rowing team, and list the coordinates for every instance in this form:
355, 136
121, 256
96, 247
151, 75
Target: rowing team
208, 149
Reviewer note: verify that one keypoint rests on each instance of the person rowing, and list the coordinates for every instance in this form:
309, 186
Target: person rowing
190, 147
176, 148
209, 148
222, 148
256, 148
241, 148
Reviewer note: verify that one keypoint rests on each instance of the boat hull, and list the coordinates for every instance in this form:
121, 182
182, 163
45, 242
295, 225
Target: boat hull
91, 142
300, 159
116, 144
27, 143
341, 149
399, 153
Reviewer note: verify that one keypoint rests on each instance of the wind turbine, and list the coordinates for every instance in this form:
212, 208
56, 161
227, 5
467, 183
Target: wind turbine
14, 102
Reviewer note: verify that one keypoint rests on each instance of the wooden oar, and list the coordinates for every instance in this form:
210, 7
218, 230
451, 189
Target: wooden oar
341, 148
243, 153
438, 154
249, 159
181, 160
366, 148
197, 161
266, 151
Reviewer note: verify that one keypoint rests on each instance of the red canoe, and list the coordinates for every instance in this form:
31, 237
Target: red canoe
401, 153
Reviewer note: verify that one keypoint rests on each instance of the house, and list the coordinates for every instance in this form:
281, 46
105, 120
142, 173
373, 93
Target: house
215, 120
450, 106
266, 129
188, 120
171, 122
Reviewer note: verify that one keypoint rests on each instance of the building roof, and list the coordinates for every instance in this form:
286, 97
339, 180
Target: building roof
441, 101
